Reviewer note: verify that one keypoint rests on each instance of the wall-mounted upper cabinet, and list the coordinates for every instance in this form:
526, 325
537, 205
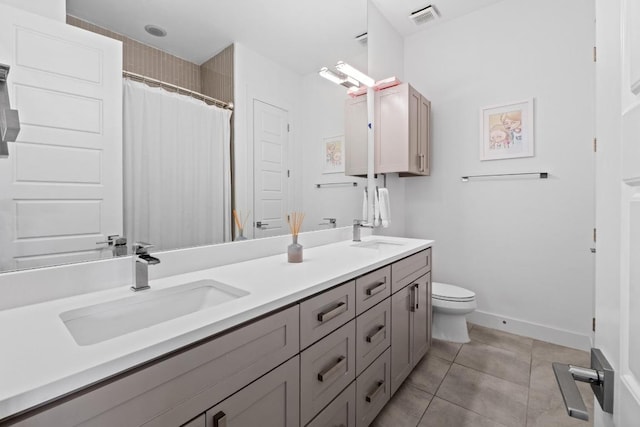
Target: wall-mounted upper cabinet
402, 129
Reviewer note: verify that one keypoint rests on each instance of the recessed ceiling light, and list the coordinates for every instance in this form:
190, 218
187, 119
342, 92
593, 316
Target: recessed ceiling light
156, 31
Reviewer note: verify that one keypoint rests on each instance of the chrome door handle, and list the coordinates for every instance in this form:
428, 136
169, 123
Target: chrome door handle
600, 376
323, 376
260, 224
328, 315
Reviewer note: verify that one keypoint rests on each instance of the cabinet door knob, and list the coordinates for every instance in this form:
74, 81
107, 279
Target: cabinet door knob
220, 419
371, 397
376, 335
336, 311
324, 376
377, 288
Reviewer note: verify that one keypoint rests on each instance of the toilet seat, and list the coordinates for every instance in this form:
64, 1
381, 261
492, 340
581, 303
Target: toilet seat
446, 292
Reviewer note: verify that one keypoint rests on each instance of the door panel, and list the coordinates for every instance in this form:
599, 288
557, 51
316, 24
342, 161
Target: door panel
421, 318
61, 187
270, 169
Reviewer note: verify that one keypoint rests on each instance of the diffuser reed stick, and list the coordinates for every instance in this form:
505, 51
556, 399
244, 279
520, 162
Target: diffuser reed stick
294, 251
240, 224
295, 222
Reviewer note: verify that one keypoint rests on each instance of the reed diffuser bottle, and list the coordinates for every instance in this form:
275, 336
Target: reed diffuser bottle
294, 250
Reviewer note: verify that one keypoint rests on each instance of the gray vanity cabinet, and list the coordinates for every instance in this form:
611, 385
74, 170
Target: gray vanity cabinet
340, 412
271, 401
411, 329
200, 421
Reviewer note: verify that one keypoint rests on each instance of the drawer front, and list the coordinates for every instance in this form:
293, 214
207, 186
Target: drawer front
186, 384
340, 412
373, 331
326, 368
270, 401
372, 288
196, 422
326, 312
373, 389
409, 269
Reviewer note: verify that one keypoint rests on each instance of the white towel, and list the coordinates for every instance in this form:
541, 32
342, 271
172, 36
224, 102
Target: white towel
376, 210
385, 207
365, 206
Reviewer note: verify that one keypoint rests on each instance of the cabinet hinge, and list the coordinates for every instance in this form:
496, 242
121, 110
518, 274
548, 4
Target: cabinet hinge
594, 235
595, 54
595, 145
593, 324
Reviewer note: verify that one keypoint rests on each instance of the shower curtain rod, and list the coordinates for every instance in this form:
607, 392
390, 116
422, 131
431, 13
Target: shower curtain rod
178, 89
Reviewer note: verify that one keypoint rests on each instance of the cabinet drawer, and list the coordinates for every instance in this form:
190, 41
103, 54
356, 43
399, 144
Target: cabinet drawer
173, 391
326, 312
373, 332
372, 288
270, 401
197, 422
373, 389
326, 368
340, 412
409, 269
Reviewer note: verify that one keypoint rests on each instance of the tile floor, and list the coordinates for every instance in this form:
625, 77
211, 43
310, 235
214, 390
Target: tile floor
496, 380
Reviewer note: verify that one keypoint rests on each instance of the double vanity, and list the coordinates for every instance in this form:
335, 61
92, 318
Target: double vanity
259, 342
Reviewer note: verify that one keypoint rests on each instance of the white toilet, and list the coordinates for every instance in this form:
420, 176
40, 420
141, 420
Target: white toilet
450, 307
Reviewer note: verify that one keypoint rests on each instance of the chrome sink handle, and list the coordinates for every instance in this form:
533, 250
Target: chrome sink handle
143, 261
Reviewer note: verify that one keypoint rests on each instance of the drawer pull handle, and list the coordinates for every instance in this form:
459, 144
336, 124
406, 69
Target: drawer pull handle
412, 299
417, 288
371, 397
220, 419
323, 376
336, 311
377, 335
379, 287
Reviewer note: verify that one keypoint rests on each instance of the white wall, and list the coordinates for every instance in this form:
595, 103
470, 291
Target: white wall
323, 117
386, 59
53, 9
521, 245
257, 77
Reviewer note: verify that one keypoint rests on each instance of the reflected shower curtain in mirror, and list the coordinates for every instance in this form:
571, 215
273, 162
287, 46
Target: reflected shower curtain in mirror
177, 169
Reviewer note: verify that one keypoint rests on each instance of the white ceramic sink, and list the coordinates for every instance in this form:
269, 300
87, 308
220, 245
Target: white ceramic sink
376, 244
101, 322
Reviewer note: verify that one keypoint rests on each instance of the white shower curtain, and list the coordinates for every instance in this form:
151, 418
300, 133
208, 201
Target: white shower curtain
177, 169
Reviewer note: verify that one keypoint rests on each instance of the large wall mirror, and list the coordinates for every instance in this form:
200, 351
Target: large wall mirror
286, 131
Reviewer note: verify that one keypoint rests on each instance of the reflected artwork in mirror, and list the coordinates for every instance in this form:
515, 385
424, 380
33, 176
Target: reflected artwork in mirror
173, 179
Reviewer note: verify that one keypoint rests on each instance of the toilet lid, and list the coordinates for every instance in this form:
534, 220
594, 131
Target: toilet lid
446, 292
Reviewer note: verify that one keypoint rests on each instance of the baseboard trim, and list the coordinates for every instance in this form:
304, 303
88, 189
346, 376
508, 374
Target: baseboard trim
531, 330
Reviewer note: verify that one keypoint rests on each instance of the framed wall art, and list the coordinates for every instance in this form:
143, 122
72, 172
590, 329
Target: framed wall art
506, 131
333, 154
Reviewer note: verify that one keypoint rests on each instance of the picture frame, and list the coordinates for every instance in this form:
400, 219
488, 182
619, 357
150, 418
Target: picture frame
333, 154
506, 131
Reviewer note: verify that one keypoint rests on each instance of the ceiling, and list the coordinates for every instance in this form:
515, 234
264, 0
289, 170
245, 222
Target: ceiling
301, 35
397, 12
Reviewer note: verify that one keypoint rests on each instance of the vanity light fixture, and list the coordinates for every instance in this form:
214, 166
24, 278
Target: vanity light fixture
338, 78
356, 74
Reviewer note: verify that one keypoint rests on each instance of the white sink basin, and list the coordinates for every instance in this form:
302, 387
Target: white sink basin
376, 244
101, 322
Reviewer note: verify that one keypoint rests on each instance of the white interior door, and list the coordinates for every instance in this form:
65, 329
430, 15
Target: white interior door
61, 187
271, 174
618, 204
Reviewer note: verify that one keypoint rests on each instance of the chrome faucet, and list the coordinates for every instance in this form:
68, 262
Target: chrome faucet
143, 261
357, 225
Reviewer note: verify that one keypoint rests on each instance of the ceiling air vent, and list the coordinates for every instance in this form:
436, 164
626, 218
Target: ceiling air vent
362, 39
424, 15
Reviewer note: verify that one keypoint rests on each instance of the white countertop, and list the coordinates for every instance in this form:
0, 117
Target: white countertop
39, 359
